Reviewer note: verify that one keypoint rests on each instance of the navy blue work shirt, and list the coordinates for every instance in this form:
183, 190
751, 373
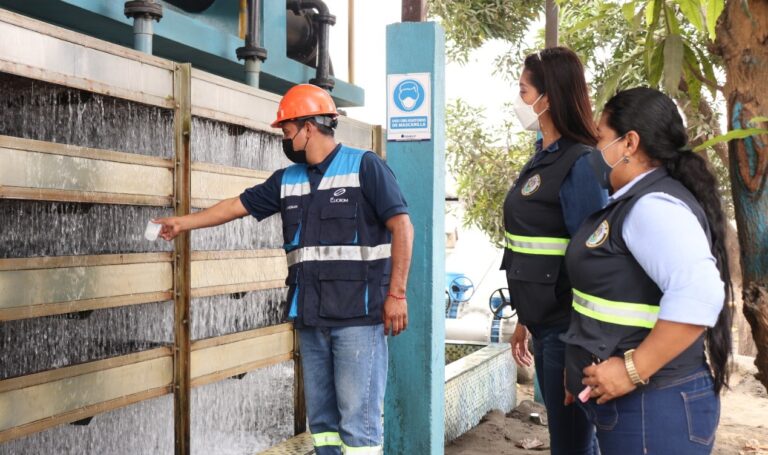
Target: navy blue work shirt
580, 194
377, 183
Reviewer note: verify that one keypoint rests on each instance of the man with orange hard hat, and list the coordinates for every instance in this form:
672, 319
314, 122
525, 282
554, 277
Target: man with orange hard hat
348, 241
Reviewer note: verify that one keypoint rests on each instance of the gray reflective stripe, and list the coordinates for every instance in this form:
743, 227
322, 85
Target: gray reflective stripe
340, 181
297, 189
339, 253
621, 313
372, 450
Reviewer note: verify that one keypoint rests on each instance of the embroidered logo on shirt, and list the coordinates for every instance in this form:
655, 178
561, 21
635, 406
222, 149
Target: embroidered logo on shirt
531, 185
598, 237
335, 199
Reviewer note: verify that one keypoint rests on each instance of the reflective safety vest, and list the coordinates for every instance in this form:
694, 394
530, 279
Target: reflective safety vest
338, 251
536, 238
615, 301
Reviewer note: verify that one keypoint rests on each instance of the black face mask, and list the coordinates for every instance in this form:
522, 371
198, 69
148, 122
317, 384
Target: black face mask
296, 156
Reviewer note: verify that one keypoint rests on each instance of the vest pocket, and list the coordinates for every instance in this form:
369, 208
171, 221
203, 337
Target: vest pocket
291, 228
338, 224
531, 280
344, 291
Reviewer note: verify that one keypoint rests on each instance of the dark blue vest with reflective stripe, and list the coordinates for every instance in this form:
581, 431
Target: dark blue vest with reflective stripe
601, 266
538, 284
338, 251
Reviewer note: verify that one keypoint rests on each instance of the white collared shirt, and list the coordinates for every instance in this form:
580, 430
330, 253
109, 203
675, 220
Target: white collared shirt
669, 243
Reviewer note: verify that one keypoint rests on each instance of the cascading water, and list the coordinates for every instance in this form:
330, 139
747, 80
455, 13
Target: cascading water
48, 112
224, 314
32, 345
243, 416
39, 228
251, 414
141, 428
232, 416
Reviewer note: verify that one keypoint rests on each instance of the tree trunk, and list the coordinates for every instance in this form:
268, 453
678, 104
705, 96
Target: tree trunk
742, 39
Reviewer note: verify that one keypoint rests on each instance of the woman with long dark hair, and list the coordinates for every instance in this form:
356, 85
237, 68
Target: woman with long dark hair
651, 287
554, 193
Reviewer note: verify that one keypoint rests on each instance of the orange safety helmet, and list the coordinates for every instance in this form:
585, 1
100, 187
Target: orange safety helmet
304, 100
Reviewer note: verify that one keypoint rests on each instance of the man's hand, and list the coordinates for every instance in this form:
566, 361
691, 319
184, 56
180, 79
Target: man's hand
172, 227
223, 212
395, 315
519, 342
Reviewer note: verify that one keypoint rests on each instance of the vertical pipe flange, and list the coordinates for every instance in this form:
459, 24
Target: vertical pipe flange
143, 12
252, 53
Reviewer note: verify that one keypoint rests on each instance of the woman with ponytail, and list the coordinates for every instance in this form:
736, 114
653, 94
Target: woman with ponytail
651, 287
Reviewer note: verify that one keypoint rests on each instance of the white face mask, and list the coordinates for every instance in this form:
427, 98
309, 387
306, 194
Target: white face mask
408, 102
529, 119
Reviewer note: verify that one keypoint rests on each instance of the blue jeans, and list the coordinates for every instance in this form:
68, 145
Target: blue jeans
679, 418
569, 430
345, 374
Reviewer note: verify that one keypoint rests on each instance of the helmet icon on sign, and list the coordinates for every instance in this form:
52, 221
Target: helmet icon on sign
409, 95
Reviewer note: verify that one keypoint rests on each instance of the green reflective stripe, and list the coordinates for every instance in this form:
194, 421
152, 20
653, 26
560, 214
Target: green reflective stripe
371, 450
523, 238
621, 313
549, 246
326, 439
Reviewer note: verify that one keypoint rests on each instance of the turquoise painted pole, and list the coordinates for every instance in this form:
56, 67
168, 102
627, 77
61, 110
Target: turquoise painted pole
414, 406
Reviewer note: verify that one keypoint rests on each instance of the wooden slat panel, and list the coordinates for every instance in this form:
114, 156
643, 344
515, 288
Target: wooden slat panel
238, 271
46, 396
220, 99
241, 287
32, 194
34, 287
216, 359
209, 188
48, 262
43, 171
56, 148
227, 170
226, 101
72, 371
236, 254
81, 413
239, 369
49, 309
38, 50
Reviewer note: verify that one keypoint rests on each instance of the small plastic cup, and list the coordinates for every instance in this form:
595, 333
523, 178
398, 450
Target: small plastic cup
152, 231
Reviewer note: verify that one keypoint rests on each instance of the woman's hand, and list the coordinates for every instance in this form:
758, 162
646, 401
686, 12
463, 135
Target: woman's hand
519, 342
608, 380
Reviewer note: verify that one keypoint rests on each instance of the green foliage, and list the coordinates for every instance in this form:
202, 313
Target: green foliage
658, 43
730, 135
470, 23
484, 165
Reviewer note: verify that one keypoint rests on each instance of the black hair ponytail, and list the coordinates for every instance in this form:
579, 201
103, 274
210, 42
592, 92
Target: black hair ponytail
657, 121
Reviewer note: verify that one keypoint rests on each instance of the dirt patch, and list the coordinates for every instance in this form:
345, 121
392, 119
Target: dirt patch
743, 426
